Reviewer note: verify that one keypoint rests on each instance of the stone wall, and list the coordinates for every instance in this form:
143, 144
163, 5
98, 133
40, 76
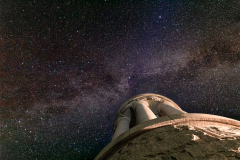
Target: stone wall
179, 143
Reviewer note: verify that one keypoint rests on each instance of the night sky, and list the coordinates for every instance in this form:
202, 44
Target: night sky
67, 66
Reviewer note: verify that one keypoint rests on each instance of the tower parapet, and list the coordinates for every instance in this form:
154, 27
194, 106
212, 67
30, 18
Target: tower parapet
143, 108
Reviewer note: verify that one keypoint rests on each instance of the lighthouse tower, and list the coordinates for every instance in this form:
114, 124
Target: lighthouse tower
151, 126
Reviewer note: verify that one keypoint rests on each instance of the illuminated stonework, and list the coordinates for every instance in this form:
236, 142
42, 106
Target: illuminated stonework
151, 126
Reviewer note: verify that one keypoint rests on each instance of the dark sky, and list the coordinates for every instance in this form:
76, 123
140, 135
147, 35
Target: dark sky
67, 66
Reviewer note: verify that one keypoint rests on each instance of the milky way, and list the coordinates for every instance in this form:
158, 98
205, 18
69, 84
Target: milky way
67, 66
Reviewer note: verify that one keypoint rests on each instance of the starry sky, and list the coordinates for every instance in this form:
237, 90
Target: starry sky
66, 66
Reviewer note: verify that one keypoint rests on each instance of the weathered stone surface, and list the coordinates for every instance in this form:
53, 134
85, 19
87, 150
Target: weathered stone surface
171, 143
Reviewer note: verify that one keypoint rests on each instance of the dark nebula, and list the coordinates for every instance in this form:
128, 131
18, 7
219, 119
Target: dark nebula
67, 66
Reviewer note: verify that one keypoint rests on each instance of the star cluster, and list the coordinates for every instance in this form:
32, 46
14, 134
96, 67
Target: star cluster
67, 66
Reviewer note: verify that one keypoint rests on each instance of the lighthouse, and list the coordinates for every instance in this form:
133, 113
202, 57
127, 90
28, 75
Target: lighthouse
151, 126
